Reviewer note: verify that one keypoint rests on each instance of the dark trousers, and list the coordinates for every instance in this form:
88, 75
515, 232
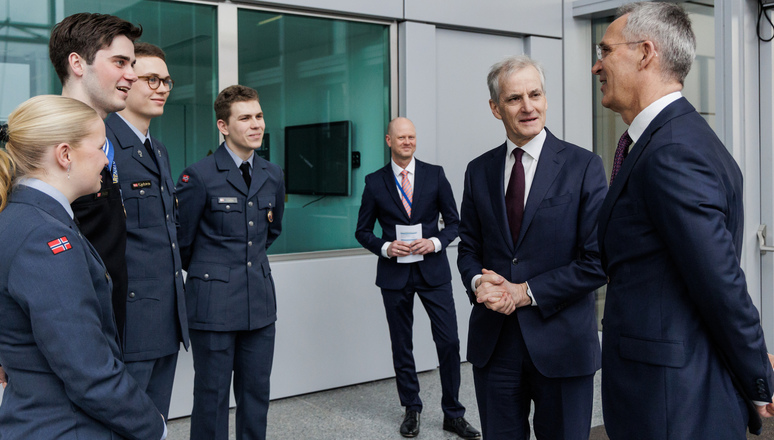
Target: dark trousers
249, 354
439, 304
509, 382
156, 377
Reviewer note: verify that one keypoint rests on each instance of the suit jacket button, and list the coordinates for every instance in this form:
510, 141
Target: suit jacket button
760, 382
515, 261
249, 264
131, 295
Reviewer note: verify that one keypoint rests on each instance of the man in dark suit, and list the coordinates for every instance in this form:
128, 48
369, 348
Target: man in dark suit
156, 320
93, 56
410, 192
528, 256
231, 206
682, 345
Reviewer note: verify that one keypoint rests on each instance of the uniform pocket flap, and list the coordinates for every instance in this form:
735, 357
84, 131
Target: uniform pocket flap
209, 272
266, 202
653, 351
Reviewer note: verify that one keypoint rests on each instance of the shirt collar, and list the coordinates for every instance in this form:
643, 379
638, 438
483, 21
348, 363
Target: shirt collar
142, 137
646, 116
238, 160
396, 169
49, 190
532, 148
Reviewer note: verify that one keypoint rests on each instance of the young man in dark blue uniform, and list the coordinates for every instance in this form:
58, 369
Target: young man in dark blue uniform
155, 305
231, 206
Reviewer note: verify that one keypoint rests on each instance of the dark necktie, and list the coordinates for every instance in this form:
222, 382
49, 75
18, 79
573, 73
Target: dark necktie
620, 154
245, 169
149, 148
514, 196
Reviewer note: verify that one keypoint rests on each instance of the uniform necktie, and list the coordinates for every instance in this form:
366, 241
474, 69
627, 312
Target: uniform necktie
514, 196
408, 193
245, 169
620, 154
149, 148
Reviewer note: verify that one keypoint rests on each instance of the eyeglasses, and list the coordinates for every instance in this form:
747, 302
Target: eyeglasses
604, 49
154, 81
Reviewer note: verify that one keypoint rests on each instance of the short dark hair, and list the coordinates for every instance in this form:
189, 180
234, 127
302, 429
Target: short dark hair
85, 34
142, 49
230, 95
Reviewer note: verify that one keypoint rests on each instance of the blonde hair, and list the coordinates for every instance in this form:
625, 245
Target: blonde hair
36, 126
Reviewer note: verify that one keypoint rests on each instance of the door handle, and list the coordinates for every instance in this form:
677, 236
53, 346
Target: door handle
762, 240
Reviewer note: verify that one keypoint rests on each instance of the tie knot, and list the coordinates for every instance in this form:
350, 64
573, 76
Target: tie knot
245, 167
404, 173
518, 153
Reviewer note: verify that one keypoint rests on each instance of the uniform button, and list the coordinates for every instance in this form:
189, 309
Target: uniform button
249, 243
206, 276
142, 192
173, 245
228, 206
249, 264
162, 189
131, 295
177, 273
250, 223
249, 203
515, 261
167, 216
107, 276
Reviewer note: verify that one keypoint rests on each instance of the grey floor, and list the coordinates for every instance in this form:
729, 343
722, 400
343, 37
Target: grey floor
367, 411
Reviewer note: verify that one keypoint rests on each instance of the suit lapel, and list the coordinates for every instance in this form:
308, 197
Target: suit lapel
420, 181
673, 110
390, 185
226, 164
549, 165
495, 179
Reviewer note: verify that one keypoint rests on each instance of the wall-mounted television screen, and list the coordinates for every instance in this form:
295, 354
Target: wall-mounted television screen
318, 159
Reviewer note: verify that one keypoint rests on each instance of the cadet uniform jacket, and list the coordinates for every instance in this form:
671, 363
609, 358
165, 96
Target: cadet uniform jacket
225, 229
58, 337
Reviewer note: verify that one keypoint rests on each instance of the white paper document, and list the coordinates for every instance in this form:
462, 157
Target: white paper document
408, 234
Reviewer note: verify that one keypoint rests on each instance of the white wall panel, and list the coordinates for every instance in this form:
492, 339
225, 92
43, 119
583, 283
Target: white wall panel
466, 127
529, 17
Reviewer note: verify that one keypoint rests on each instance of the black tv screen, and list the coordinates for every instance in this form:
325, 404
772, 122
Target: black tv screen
317, 159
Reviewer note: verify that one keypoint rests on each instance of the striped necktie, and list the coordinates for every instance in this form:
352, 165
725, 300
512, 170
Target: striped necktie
409, 194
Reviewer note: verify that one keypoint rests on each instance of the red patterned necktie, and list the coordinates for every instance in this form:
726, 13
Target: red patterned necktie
406, 185
620, 154
514, 196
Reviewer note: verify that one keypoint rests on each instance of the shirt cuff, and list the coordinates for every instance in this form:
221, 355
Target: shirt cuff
473, 283
165, 428
529, 293
759, 403
384, 249
437, 244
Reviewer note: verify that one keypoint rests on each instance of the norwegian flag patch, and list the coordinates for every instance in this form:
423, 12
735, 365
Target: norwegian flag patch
59, 245
185, 178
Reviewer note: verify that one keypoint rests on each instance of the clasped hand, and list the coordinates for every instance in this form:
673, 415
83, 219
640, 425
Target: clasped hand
499, 294
420, 246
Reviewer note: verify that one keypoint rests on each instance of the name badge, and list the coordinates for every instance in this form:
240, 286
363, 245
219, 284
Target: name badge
227, 199
141, 184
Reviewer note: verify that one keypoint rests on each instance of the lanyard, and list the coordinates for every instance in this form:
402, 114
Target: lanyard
400, 187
